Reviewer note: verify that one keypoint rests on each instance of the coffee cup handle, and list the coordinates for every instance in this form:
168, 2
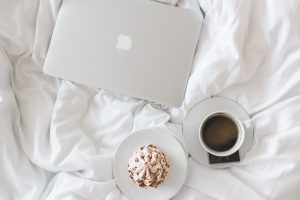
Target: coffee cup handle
247, 123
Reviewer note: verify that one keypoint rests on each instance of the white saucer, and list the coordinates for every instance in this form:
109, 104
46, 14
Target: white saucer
196, 115
174, 152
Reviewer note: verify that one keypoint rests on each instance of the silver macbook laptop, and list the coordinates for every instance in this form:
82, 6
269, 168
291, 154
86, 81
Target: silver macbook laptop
139, 48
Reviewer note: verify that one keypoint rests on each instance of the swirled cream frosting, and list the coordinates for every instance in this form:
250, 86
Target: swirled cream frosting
148, 166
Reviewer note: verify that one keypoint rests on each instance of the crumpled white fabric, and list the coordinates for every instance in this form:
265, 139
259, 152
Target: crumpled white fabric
57, 137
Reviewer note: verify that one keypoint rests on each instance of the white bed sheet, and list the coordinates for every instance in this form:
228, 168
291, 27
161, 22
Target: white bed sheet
57, 138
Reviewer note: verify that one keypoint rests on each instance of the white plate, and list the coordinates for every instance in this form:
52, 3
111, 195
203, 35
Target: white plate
195, 117
166, 143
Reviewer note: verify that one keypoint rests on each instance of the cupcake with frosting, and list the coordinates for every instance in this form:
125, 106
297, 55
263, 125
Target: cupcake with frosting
148, 166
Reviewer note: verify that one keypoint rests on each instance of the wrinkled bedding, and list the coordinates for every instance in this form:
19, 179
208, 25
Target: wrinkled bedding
57, 137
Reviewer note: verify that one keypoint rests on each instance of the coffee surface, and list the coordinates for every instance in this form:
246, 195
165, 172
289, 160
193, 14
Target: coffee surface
220, 133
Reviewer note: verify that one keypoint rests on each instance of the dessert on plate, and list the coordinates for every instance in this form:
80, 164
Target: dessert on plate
148, 166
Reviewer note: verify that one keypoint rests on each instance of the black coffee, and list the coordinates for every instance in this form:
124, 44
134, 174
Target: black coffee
220, 132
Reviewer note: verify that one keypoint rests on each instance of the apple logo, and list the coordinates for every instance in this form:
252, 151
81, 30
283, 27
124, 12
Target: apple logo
124, 43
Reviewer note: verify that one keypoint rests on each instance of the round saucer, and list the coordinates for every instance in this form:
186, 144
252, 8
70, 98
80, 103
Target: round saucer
175, 155
195, 117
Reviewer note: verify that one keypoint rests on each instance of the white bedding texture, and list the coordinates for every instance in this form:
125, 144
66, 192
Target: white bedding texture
57, 138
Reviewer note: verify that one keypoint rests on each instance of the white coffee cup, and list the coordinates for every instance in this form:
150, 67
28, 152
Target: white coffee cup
240, 125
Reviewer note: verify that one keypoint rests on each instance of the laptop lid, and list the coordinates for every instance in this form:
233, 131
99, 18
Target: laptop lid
138, 48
